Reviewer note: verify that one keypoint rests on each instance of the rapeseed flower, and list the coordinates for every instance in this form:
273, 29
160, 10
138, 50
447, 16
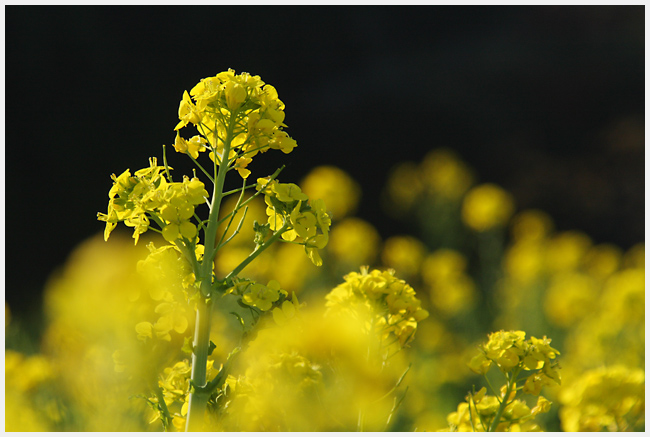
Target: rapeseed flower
487, 206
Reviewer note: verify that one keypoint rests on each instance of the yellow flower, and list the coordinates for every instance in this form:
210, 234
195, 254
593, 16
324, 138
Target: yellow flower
240, 166
335, 187
604, 399
262, 296
304, 223
603, 260
235, 95
569, 298
443, 265
380, 292
288, 192
404, 254
285, 313
312, 244
187, 112
543, 406
487, 206
480, 364
531, 224
566, 250
524, 261
354, 242
403, 188
451, 290
144, 330
445, 174
282, 141
635, 256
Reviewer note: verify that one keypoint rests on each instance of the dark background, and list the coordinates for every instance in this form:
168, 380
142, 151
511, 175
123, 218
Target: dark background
546, 101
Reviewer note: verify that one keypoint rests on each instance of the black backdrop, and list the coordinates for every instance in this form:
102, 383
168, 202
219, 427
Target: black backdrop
546, 101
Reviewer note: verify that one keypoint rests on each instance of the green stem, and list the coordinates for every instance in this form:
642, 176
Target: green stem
201, 167
199, 399
232, 216
213, 221
250, 199
257, 251
504, 402
163, 406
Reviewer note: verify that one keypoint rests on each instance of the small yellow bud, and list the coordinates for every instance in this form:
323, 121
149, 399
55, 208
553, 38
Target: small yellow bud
235, 95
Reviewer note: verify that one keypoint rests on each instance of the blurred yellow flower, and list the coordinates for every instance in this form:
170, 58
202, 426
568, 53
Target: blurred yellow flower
442, 265
604, 399
403, 188
487, 206
454, 296
340, 192
603, 260
531, 224
451, 290
315, 375
354, 242
635, 256
444, 174
404, 254
524, 261
570, 297
566, 250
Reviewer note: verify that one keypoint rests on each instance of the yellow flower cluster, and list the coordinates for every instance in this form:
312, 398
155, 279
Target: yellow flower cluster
510, 350
272, 393
169, 281
390, 302
258, 295
480, 410
441, 176
238, 109
605, 399
23, 377
315, 374
264, 297
511, 353
174, 383
451, 289
303, 222
147, 191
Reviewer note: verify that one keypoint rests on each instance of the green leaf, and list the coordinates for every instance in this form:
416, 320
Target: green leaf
211, 348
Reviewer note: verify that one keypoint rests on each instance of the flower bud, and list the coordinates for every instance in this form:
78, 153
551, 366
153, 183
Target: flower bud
235, 95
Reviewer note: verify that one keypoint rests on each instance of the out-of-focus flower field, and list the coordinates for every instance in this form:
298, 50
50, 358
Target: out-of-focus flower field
476, 262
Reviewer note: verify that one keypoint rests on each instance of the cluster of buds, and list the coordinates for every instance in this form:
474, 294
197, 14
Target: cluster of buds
240, 110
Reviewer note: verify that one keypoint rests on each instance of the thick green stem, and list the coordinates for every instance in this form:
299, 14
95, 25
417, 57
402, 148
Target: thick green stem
198, 398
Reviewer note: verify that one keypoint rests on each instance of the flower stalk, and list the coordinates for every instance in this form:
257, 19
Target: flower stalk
198, 398
237, 116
